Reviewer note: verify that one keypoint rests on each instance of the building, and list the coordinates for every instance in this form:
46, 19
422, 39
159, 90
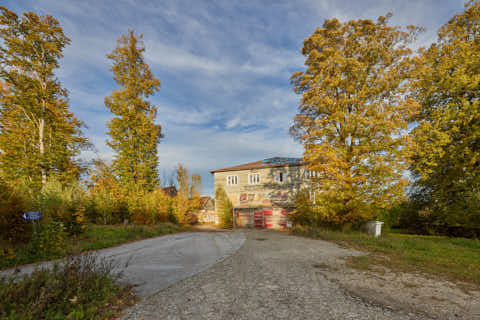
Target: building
170, 191
262, 192
207, 211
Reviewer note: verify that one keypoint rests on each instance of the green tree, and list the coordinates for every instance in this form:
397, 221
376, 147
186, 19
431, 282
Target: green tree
224, 208
446, 152
39, 136
108, 198
353, 115
183, 195
134, 135
188, 195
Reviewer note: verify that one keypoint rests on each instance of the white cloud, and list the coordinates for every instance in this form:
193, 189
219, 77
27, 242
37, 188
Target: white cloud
185, 115
177, 58
261, 60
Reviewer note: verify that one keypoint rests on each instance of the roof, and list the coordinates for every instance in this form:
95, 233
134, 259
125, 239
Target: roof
204, 200
170, 191
266, 163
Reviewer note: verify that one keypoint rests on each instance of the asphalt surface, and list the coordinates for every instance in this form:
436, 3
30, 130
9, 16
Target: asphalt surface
272, 276
154, 264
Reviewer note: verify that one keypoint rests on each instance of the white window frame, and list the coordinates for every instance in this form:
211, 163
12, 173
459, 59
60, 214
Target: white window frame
232, 180
254, 178
312, 174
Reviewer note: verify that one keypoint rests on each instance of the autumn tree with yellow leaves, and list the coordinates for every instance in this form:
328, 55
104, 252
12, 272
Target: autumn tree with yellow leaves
134, 133
447, 136
353, 115
39, 135
188, 195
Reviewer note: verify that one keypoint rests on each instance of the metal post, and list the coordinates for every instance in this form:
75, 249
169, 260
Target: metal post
34, 228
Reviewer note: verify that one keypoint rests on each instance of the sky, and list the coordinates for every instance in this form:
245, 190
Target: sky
224, 67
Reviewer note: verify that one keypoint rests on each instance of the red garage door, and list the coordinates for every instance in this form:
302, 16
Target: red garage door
258, 219
268, 218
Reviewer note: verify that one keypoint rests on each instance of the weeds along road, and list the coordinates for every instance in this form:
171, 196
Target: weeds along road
272, 276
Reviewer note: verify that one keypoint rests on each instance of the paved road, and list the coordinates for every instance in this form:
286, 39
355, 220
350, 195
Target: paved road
273, 276
156, 263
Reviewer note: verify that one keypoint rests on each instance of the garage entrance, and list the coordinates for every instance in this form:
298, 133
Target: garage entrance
261, 218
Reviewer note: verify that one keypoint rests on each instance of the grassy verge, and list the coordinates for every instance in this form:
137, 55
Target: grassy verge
83, 287
456, 259
95, 237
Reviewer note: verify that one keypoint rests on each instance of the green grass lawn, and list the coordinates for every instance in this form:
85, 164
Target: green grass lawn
456, 259
95, 237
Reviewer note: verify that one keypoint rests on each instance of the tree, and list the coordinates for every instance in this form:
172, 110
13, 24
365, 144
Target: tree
446, 160
183, 194
39, 136
134, 135
353, 115
109, 200
188, 195
223, 208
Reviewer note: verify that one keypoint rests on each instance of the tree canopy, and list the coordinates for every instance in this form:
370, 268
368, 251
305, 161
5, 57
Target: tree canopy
134, 134
353, 115
39, 135
447, 136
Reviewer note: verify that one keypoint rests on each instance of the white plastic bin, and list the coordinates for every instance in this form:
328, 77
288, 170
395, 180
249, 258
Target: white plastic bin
374, 228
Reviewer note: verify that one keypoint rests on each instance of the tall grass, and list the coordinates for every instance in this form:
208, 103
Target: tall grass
83, 287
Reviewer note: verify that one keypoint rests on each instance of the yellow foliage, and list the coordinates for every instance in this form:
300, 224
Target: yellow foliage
353, 115
446, 140
7, 253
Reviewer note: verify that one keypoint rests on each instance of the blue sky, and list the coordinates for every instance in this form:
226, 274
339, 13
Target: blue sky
224, 67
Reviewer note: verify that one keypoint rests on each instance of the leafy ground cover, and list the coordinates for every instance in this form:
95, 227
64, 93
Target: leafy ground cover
95, 237
457, 259
82, 287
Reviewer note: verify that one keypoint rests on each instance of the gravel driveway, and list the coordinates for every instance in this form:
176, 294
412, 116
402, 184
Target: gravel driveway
273, 276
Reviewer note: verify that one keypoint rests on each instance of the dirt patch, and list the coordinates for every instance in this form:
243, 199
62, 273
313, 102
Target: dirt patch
407, 291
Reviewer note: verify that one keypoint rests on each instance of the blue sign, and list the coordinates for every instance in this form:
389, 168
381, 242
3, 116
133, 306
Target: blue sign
32, 215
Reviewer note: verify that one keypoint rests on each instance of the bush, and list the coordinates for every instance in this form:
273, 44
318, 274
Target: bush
13, 227
80, 288
49, 240
418, 217
304, 213
327, 212
107, 206
225, 206
152, 207
65, 204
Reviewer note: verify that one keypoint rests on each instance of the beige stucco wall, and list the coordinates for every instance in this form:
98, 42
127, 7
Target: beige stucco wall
268, 193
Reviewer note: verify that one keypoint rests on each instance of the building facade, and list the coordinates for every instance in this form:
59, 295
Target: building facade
206, 213
262, 192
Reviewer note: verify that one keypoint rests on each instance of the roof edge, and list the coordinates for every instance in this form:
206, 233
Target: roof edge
274, 162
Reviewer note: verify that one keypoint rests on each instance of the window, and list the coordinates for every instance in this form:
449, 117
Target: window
232, 180
281, 177
312, 174
254, 178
